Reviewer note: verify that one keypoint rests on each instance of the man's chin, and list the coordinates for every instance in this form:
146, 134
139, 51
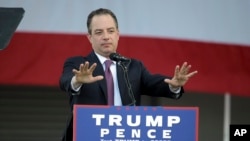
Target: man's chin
106, 54
109, 51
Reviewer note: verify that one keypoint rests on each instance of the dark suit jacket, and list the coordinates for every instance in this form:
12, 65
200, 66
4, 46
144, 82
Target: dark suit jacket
142, 82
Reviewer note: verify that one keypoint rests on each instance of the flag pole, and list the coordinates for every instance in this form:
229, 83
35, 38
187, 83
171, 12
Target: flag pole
227, 116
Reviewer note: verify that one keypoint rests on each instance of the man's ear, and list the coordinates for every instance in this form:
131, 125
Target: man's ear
89, 37
118, 34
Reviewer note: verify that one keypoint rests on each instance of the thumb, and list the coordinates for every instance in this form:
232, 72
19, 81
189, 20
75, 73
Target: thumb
167, 80
99, 77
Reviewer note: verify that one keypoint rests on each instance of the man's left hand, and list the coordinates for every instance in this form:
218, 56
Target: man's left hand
181, 76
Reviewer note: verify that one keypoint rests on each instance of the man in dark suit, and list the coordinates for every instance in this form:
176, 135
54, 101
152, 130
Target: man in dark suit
85, 79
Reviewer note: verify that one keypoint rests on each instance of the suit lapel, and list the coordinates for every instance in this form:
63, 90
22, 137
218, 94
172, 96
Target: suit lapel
98, 71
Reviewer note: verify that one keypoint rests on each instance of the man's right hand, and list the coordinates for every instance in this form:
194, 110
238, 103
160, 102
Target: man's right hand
85, 74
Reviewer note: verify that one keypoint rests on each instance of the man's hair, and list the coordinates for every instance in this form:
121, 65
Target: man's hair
100, 11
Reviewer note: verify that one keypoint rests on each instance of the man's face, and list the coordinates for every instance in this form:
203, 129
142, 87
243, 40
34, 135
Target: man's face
104, 35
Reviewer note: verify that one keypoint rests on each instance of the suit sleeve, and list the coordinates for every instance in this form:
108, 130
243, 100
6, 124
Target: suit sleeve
154, 85
67, 74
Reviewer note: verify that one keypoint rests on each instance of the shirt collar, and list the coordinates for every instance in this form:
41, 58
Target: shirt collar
102, 59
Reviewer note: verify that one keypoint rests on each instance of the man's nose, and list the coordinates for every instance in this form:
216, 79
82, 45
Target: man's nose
106, 36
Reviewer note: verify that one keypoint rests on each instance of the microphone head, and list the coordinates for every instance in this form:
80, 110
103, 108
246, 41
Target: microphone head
114, 56
118, 57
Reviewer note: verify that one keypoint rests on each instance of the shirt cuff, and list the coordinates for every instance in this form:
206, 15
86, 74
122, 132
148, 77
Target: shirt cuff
75, 87
175, 90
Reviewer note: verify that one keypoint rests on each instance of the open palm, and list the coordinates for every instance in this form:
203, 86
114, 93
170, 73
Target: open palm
181, 76
85, 73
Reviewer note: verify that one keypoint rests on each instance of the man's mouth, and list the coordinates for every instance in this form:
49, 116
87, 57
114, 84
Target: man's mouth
106, 44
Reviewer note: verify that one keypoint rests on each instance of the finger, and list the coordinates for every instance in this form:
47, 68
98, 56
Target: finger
81, 67
177, 70
85, 66
192, 74
183, 68
187, 69
92, 67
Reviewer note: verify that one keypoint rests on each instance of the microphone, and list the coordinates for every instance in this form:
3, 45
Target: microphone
123, 62
118, 57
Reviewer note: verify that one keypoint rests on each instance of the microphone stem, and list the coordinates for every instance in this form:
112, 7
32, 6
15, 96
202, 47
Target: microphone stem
130, 91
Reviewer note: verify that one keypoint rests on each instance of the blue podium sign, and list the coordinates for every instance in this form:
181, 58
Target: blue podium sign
135, 123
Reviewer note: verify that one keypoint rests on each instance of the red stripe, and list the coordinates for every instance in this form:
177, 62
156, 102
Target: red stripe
37, 59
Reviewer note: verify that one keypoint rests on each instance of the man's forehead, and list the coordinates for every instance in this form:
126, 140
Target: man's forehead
103, 21
109, 28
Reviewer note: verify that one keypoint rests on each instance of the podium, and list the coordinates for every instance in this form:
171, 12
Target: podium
135, 123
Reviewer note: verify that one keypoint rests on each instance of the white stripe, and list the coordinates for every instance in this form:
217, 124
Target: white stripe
220, 21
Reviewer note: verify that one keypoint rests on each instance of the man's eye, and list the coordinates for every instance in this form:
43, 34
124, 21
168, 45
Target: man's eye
98, 33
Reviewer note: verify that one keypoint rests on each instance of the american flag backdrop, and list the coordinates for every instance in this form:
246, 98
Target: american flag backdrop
213, 36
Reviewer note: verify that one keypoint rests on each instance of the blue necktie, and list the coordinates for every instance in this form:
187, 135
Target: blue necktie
110, 82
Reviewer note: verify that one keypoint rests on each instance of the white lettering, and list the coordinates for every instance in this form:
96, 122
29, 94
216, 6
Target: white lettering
137, 120
166, 134
115, 120
120, 133
173, 120
136, 133
157, 122
104, 132
243, 131
239, 132
149, 133
98, 118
